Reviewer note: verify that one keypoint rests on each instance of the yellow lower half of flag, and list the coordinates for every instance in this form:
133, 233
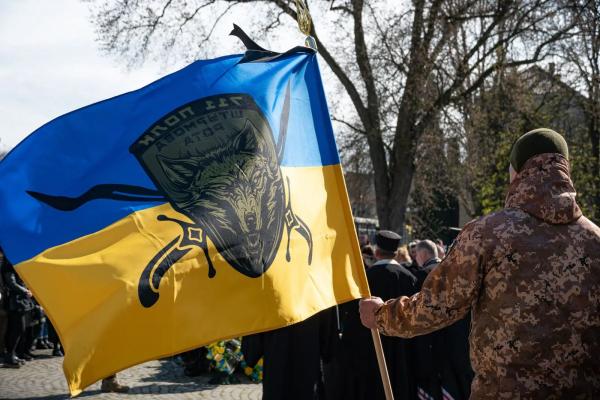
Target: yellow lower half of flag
89, 287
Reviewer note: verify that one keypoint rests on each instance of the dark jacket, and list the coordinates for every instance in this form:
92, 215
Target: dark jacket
18, 300
421, 272
293, 357
387, 279
441, 359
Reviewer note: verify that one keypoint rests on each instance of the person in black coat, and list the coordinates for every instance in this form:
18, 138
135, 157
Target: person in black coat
387, 279
440, 359
3, 306
293, 357
19, 306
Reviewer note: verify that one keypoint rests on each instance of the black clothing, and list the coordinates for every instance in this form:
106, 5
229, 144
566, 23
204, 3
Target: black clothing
54, 339
18, 299
457, 373
195, 362
422, 272
414, 269
3, 306
19, 306
3, 289
292, 357
441, 358
425, 349
27, 338
431, 264
387, 279
15, 332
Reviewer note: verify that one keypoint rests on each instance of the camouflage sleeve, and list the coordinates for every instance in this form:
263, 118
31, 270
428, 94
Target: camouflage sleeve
446, 295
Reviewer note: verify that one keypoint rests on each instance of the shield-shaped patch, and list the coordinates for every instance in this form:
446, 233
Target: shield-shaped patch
215, 161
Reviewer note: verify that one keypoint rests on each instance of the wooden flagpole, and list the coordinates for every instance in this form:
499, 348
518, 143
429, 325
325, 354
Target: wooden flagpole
385, 377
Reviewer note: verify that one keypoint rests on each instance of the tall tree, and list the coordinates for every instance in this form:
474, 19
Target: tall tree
400, 63
581, 52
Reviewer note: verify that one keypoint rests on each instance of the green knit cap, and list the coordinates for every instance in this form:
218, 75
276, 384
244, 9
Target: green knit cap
538, 141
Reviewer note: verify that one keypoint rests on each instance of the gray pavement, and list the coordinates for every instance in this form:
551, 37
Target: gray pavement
42, 379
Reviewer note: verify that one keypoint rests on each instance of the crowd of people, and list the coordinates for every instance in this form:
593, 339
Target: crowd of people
331, 355
432, 366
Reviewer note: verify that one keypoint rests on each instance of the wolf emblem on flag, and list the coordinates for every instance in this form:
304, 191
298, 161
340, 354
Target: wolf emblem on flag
216, 162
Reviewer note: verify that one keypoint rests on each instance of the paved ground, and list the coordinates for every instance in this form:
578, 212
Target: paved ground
42, 379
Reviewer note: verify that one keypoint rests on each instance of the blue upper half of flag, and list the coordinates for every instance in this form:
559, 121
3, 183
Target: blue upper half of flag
90, 147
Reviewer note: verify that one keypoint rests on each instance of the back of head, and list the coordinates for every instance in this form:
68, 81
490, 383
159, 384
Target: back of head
403, 256
533, 143
428, 247
367, 250
368, 255
387, 243
411, 248
542, 186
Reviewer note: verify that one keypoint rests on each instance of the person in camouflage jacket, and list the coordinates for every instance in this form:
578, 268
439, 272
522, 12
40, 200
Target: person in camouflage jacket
530, 274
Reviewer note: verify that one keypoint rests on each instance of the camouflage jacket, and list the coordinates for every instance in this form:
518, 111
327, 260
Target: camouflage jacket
530, 274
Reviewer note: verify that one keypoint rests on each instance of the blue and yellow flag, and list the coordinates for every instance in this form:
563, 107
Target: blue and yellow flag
206, 205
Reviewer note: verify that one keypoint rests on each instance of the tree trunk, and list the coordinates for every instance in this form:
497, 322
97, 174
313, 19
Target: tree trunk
381, 179
594, 127
595, 135
398, 201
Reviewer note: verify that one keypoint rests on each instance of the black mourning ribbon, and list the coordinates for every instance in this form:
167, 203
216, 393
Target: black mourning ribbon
255, 53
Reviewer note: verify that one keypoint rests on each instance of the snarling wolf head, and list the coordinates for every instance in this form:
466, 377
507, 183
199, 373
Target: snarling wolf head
215, 161
237, 188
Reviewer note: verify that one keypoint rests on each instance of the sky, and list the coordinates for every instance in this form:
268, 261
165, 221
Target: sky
50, 64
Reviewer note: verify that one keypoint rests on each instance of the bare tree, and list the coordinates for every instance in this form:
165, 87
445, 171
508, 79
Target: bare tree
400, 63
3, 152
581, 52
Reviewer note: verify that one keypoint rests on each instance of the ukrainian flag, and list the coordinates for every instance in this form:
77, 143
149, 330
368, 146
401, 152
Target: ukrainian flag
207, 205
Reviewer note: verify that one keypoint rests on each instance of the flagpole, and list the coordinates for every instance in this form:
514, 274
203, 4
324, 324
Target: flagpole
385, 377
